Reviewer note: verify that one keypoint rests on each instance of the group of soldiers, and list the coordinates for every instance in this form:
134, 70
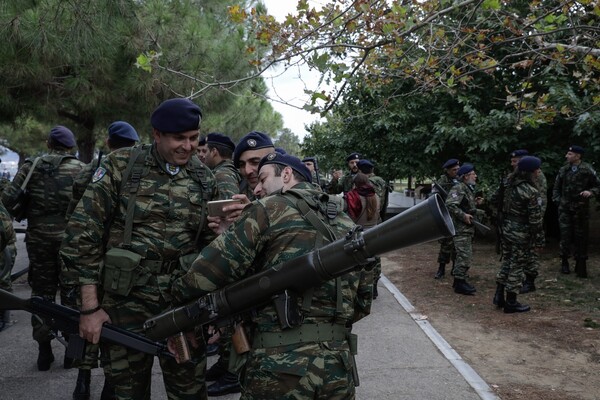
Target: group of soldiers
520, 202
129, 236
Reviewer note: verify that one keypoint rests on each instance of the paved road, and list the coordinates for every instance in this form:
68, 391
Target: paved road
400, 357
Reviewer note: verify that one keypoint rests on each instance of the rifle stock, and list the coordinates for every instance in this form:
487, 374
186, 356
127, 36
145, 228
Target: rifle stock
424, 222
66, 320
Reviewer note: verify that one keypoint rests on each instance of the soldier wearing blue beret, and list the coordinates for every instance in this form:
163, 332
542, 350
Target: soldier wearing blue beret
575, 184
202, 148
248, 153
218, 159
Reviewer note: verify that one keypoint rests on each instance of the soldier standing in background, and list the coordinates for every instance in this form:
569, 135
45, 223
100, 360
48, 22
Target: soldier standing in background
575, 184
202, 148
313, 166
462, 205
218, 159
522, 230
313, 357
343, 184
49, 191
154, 199
446, 181
8, 253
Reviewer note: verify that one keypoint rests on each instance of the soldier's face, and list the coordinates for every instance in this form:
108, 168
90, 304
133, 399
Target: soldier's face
453, 171
310, 165
572, 157
249, 161
353, 165
201, 151
471, 178
268, 183
514, 161
176, 148
210, 158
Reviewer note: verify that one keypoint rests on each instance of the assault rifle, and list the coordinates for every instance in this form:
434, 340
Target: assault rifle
479, 227
66, 320
424, 222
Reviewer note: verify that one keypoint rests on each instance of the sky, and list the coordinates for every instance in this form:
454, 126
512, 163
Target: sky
288, 86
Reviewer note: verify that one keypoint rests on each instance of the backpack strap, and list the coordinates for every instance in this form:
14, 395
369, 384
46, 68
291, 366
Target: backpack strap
132, 176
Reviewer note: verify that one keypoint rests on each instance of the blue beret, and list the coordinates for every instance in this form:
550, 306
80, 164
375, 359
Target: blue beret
280, 150
176, 116
529, 163
453, 162
122, 130
309, 159
577, 149
252, 141
365, 166
202, 140
353, 156
465, 169
288, 161
220, 140
519, 153
62, 136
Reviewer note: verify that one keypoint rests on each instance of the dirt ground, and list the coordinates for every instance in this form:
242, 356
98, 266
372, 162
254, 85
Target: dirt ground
550, 353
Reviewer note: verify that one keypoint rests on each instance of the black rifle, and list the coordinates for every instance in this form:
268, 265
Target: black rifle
481, 228
424, 222
317, 171
66, 320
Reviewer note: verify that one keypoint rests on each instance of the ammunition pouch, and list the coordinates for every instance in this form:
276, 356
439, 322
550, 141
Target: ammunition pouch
288, 311
307, 333
121, 270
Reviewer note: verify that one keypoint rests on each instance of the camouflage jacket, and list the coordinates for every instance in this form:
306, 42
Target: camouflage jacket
446, 183
167, 212
342, 185
83, 178
461, 201
49, 191
7, 232
541, 184
271, 231
228, 179
379, 184
572, 180
522, 210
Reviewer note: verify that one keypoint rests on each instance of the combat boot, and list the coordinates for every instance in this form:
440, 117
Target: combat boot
564, 267
528, 285
513, 306
4, 319
45, 356
441, 271
228, 383
462, 287
499, 296
108, 391
581, 268
215, 372
82, 386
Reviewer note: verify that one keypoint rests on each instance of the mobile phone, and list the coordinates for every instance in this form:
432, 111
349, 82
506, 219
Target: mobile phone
215, 208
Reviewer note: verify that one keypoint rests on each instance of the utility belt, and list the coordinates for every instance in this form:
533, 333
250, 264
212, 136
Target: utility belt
306, 333
46, 219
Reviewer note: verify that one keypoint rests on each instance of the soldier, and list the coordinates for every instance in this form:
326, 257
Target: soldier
447, 181
522, 230
343, 184
8, 253
575, 184
218, 159
313, 167
462, 205
120, 135
49, 191
202, 149
315, 355
154, 199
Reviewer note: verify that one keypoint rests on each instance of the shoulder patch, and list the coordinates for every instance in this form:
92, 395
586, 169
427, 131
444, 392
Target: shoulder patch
98, 175
454, 195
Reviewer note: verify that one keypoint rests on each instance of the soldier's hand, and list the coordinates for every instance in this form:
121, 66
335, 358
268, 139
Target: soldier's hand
478, 200
90, 326
235, 210
468, 219
585, 194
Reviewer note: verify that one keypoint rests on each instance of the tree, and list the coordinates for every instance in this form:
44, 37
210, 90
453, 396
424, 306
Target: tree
288, 141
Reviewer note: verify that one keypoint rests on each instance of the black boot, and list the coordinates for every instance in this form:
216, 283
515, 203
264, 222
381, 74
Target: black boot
462, 287
499, 296
45, 356
4, 319
228, 383
82, 386
528, 285
441, 271
513, 306
581, 268
108, 391
564, 267
215, 372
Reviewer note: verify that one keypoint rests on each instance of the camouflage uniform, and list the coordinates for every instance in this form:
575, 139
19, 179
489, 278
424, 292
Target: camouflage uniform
271, 231
49, 192
228, 179
573, 209
522, 230
8, 248
532, 266
342, 185
447, 252
461, 201
167, 214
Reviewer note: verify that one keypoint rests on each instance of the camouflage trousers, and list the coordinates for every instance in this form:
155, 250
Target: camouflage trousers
515, 256
463, 244
574, 231
311, 371
532, 265
7, 258
446, 253
130, 371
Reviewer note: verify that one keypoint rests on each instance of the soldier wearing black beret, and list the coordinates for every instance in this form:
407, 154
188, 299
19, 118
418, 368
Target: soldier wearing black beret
343, 184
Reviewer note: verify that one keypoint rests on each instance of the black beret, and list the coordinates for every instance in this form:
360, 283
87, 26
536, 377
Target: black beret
309, 159
202, 140
519, 153
252, 141
62, 136
122, 130
289, 161
220, 140
365, 166
453, 162
577, 149
465, 169
280, 150
529, 163
176, 116
353, 156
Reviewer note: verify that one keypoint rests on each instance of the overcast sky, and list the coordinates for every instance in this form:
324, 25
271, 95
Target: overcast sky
288, 86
